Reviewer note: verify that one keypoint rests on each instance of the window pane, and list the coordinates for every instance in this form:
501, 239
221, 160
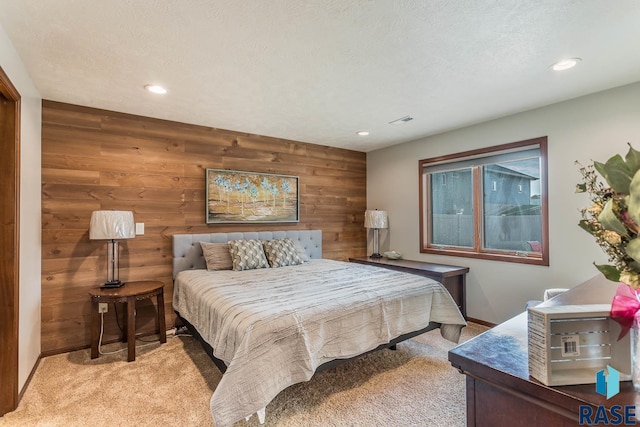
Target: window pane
452, 208
511, 203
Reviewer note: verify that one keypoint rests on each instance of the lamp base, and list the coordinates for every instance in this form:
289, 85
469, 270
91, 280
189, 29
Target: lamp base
112, 284
376, 255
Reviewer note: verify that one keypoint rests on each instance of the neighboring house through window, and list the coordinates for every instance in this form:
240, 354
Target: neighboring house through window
489, 203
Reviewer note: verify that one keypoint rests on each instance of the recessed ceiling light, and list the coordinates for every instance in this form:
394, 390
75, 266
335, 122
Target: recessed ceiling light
565, 64
156, 89
363, 133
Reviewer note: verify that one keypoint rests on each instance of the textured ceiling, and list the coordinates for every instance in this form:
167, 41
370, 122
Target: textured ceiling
319, 71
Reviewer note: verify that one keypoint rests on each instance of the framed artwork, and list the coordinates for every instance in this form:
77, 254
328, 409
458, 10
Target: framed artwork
238, 196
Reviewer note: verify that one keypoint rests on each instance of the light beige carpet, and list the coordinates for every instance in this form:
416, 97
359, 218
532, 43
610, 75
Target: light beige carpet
171, 384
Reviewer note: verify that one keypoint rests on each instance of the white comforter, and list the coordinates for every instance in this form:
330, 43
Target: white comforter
273, 327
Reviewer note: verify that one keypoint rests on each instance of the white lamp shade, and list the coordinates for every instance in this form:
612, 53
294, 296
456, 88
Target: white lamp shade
376, 219
107, 225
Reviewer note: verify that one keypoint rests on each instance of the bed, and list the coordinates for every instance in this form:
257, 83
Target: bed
269, 328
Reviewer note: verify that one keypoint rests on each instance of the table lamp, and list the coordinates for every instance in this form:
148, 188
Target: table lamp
376, 219
112, 225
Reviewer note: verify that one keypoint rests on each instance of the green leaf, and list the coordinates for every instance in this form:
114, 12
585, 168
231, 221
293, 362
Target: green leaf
610, 221
600, 168
616, 173
633, 160
633, 249
609, 271
584, 224
633, 204
581, 188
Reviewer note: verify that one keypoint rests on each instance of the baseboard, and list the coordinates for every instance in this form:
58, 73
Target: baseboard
64, 350
85, 346
481, 322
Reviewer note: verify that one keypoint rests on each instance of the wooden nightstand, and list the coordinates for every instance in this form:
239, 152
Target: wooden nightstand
451, 276
128, 295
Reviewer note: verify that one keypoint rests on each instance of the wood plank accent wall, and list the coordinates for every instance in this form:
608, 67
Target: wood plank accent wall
95, 159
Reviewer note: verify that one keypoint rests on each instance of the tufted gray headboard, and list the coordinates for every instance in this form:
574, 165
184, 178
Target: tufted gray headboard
187, 252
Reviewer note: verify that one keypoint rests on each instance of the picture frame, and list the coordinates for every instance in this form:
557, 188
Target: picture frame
240, 196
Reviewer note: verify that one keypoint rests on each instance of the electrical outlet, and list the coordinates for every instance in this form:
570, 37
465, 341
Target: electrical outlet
103, 307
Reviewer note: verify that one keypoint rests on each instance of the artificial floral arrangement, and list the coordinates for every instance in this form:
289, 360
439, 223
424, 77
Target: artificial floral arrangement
613, 220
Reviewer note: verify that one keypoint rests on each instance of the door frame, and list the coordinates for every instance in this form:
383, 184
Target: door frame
9, 245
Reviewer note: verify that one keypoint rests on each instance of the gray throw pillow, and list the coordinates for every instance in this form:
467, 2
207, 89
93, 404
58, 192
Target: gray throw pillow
281, 252
247, 254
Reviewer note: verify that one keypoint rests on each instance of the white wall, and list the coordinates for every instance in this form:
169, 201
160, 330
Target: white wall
30, 208
593, 127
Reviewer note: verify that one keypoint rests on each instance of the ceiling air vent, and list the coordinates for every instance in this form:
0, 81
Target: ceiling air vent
401, 120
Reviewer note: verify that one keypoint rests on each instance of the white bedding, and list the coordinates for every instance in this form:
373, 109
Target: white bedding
273, 327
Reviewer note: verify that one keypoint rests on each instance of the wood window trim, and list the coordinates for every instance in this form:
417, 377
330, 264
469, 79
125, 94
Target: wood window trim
476, 251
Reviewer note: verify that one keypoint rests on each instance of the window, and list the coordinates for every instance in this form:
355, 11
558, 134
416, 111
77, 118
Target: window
494, 205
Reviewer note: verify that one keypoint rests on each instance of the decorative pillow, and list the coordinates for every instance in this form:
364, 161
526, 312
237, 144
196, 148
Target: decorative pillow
301, 252
217, 256
247, 254
281, 252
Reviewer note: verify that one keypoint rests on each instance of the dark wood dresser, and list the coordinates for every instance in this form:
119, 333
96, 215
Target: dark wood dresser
499, 390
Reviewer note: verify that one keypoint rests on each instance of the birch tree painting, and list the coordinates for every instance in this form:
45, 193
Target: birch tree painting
237, 196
